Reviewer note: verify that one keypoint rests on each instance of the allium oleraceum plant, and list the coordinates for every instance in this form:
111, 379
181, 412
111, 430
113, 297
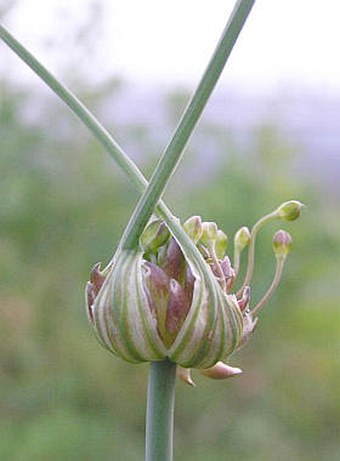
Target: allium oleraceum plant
168, 295
153, 303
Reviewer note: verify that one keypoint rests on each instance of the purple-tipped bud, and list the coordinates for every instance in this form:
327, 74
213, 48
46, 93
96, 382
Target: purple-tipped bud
193, 227
290, 210
97, 277
249, 325
189, 284
227, 270
92, 288
242, 239
173, 262
168, 302
243, 303
157, 290
178, 308
282, 242
154, 236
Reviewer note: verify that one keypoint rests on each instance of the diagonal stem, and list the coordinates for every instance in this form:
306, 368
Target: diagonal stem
175, 148
78, 108
102, 135
128, 167
132, 172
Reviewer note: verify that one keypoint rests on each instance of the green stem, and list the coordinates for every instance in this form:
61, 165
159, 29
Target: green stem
160, 406
100, 133
90, 121
235, 24
76, 106
251, 252
104, 138
272, 288
160, 411
175, 148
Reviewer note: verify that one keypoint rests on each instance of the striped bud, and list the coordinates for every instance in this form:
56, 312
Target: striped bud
163, 300
143, 312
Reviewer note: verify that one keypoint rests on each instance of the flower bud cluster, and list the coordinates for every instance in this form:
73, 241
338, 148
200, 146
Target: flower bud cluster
156, 302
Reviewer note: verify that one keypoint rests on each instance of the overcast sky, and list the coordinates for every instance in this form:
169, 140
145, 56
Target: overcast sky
284, 42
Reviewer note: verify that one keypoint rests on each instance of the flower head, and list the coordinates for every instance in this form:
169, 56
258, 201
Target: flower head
154, 302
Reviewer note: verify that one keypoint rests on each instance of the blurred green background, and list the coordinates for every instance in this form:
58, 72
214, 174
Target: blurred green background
64, 205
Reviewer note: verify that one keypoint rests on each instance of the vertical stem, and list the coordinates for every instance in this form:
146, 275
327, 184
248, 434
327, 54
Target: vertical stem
160, 411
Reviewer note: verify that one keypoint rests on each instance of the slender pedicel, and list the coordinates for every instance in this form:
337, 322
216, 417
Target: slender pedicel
281, 246
288, 211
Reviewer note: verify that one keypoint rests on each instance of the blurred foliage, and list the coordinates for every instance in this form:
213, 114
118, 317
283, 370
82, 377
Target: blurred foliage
63, 208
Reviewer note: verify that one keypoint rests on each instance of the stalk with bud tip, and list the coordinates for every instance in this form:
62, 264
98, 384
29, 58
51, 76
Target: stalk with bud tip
165, 298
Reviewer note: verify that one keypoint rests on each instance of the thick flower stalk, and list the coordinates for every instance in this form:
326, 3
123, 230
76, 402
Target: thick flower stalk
153, 302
